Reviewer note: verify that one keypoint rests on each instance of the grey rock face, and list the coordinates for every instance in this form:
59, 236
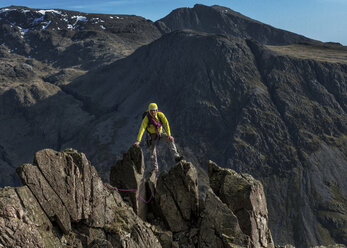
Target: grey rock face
245, 197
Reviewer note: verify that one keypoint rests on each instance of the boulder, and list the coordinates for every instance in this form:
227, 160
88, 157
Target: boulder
127, 175
219, 226
176, 198
245, 197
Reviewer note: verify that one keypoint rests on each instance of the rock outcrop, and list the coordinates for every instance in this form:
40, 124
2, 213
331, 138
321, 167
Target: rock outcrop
181, 218
245, 197
65, 203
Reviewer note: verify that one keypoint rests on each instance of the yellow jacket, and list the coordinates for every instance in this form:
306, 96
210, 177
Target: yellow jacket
151, 128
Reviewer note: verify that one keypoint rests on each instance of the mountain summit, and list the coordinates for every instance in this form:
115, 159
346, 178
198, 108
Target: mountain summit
221, 20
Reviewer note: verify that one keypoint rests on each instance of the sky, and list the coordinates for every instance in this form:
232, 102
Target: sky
324, 20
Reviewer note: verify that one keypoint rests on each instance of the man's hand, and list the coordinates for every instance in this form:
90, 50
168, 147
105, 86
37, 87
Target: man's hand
171, 139
137, 143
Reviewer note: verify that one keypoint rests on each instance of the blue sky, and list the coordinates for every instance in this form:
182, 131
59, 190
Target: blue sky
324, 20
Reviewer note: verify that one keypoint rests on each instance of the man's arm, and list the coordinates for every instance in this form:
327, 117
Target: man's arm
165, 123
143, 127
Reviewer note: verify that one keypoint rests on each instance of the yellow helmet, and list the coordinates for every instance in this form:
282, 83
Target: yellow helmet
152, 106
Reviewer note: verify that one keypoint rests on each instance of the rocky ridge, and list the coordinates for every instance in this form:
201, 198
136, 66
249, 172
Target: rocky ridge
64, 203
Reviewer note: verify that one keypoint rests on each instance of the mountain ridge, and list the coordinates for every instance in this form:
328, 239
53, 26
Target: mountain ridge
275, 112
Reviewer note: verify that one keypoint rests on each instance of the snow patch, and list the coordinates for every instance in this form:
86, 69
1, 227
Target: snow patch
44, 27
80, 18
23, 31
6, 10
43, 12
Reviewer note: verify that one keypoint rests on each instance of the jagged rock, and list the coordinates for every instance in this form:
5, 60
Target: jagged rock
65, 203
176, 198
128, 174
245, 197
70, 195
219, 226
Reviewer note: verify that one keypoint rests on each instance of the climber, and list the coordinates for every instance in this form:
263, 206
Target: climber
153, 121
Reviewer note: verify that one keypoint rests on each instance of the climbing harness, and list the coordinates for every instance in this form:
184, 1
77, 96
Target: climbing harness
157, 125
139, 197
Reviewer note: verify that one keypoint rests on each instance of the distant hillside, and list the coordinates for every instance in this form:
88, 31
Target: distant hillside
68, 38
